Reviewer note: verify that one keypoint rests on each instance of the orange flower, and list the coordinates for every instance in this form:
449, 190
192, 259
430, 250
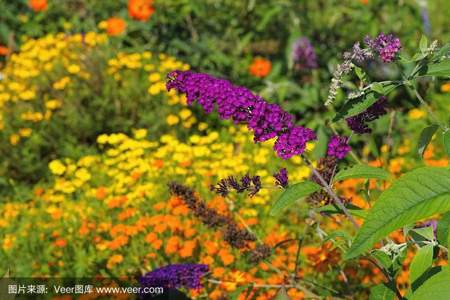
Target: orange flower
227, 257
60, 243
260, 67
113, 260
38, 5
115, 26
101, 193
4, 50
365, 2
140, 9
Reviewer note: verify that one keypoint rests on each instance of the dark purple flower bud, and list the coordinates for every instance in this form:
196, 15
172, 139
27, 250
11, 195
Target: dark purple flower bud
387, 46
303, 54
176, 276
256, 180
358, 122
338, 147
281, 178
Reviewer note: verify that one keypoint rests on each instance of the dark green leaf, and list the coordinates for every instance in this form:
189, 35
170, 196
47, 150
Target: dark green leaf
292, 194
447, 142
416, 195
355, 106
421, 262
361, 171
425, 138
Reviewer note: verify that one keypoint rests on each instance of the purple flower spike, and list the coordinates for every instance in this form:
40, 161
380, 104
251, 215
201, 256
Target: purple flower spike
358, 124
387, 46
176, 276
303, 54
338, 147
266, 120
281, 178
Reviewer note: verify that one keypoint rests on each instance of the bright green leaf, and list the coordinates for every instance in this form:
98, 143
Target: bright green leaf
292, 194
425, 138
424, 233
443, 229
381, 292
421, 262
418, 194
361, 171
377, 87
436, 287
282, 295
423, 45
439, 69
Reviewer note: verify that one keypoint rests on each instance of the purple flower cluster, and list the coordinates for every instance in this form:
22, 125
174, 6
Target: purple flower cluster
266, 120
338, 147
303, 54
358, 122
251, 184
176, 276
387, 46
281, 178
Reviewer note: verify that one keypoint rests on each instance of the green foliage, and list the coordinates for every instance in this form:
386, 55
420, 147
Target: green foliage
361, 171
381, 292
292, 194
418, 194
421, 263
425, 138
436, 286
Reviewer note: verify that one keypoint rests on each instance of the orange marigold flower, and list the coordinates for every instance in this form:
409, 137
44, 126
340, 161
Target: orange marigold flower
260, 67
113, 260
140, 9
227, 257
4, 50
115, 26
38, 5
101, 193
60, 243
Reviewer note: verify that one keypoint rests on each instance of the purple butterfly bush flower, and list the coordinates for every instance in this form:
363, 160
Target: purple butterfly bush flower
281, 178
387, 46
266, 120
303, 54
176, 276
338, 147
358, 122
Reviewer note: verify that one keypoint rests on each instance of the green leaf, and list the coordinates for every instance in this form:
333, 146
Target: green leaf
443, 229
424, 233
355, 106
361, 171
282, 295
447, 142
292, 194
421, 262
436, 287
353, 209
377, 87
418, 194
425, 138
423, 45
381, 292
439, 69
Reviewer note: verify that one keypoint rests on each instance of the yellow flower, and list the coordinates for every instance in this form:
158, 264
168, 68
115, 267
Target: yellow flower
57, 167
416, 113
154, 77
102, 25
202, 126
73, 69
185, 113
114, 260
14, 139
25, 132
172, 120
53, 104
83, 174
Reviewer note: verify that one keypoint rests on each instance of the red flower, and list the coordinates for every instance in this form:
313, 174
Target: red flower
115, 26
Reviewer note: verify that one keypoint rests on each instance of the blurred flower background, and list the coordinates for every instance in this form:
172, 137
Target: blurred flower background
90, 137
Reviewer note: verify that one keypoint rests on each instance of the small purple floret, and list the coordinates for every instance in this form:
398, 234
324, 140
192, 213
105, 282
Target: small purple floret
303, 54
281, 178
338, 147
176, 276
387, 46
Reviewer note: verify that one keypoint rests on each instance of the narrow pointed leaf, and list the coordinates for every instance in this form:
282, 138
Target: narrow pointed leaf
361, 171
425, 138
447, 142
418, 194
292, 194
